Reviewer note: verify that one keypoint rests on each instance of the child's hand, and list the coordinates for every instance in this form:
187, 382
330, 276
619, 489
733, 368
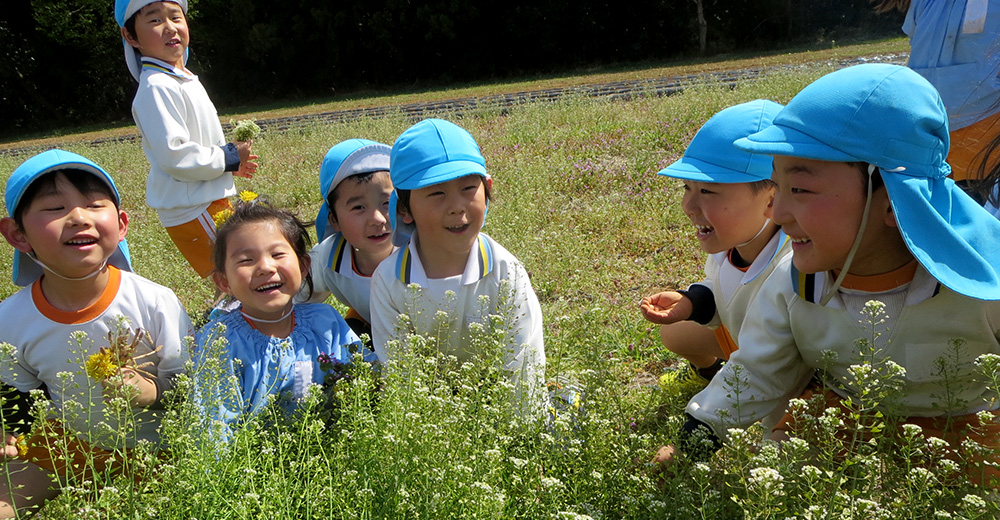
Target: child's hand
138, 389
247, 166
9, 446
666, 307
663, 459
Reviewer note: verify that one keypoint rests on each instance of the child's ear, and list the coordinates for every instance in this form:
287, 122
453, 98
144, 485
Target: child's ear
890, 216
489, 183
305, 263
221, 281
405, 214
332, 222
122, 225
769, 210
128, 38
14, 235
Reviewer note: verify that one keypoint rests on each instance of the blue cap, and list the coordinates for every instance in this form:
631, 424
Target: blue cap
345, 159
124, 9
891, 117
430, 152
711, 156
26, 270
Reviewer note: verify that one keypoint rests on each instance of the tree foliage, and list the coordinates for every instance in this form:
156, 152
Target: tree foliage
62, 65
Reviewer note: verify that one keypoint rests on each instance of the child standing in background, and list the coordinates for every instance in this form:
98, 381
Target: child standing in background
863, 195
444, 265
728, 194
352, 226
69, 233
191, 165
274, 346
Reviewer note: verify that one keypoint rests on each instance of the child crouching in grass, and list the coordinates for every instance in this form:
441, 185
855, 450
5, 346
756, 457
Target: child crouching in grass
863, 194
728, 195
274, 346
69, 233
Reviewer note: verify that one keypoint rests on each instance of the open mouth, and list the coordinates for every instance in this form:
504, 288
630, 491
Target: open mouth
704, 231
457, 229
81, 241
379, 237
269, 287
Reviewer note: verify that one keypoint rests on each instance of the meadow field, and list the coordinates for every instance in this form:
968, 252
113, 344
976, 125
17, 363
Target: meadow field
578, 201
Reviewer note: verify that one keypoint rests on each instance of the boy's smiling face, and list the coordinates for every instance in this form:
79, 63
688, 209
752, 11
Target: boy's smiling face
161, 32
361, 214
726, 215
448, 217
820, 205
71, 232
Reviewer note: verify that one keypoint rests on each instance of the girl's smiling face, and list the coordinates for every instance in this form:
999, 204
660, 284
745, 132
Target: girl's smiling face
261, 270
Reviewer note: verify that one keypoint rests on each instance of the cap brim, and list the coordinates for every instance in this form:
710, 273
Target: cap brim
443, 172
690, 168
781, 140
952, 236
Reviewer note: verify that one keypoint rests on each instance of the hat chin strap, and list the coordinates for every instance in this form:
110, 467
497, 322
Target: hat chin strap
857, 243
767, 222
68, 278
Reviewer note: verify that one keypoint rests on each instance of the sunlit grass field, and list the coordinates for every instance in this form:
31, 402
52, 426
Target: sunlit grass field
578, 201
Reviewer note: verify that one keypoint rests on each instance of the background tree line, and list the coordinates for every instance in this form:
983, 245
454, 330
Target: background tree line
62, 63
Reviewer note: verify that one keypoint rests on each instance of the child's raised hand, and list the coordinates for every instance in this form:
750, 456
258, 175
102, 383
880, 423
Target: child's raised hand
130, 384
247, 166
666, 307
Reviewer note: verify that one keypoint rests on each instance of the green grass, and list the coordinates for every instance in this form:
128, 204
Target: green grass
578, 201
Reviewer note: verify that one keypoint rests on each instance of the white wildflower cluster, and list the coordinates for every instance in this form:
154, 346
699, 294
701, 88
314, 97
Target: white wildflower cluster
766, 482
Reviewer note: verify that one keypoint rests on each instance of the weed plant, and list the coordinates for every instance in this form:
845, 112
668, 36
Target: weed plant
577, 200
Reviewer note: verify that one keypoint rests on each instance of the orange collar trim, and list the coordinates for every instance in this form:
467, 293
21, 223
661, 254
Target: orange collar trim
86, 314
882, 282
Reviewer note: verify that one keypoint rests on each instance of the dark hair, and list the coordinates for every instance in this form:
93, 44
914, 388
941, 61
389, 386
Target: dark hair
84, 181
876, 175
989, 175
358, 178
761, 185
403, 197
295, 231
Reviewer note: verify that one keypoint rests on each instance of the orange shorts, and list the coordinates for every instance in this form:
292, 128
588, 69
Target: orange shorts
195, 239
953, 430
726, 342
53, 448
967, 143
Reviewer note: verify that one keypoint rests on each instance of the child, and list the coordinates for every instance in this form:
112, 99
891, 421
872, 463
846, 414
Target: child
859, 159
274, 345
727, 196
191, 166
443, 191
353, 226
70, 238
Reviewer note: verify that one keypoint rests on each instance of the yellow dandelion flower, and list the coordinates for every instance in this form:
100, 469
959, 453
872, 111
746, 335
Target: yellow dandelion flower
22, 445
248, 196
101, 366
221, 217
